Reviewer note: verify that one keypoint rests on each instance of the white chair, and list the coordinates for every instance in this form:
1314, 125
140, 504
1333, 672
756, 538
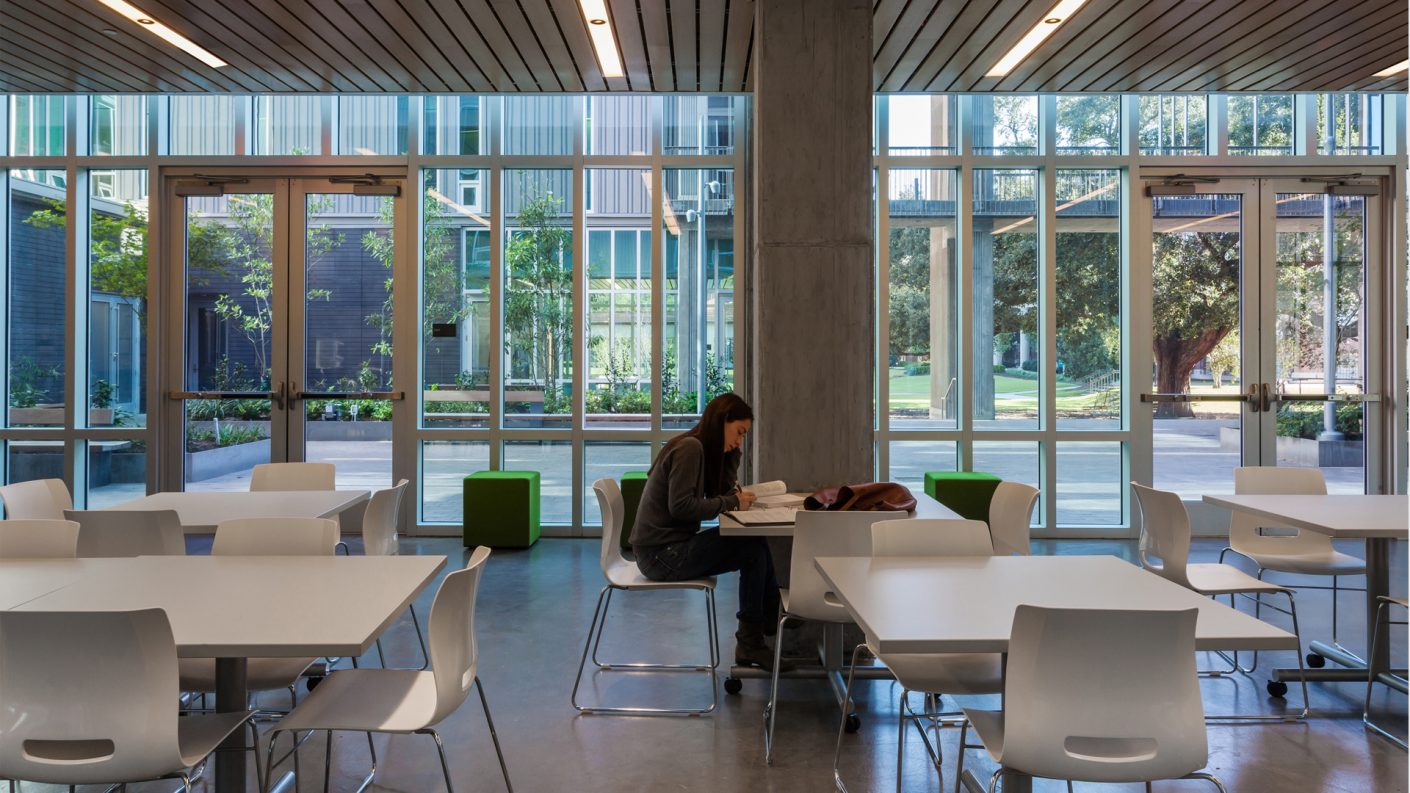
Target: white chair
293, 476
1373, 679
379, 538
1070, 713
38, 539
92, 699
1289, 551
623, 575
1165, 550
407, 701
933, 674
264, 537
807, 597
1010, 516
275, 537
45, 499
118, 532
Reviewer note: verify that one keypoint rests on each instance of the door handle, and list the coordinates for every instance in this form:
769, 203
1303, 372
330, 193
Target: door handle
1254, 405
392, 396
1265, 401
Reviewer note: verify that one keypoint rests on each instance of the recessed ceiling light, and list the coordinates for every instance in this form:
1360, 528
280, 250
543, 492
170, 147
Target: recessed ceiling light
165, 33
603, 43
1061, 12
1396, 69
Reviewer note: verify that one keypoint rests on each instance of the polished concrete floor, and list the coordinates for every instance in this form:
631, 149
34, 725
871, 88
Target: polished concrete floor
533, 614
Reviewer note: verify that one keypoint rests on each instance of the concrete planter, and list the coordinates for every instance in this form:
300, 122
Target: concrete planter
54, 416
348, 430
1306, 452
227, 460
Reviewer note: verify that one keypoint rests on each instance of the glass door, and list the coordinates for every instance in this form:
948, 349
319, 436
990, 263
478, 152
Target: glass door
341, 341
1317, 319
1259, 332
231, 397
286, 329
1204, 293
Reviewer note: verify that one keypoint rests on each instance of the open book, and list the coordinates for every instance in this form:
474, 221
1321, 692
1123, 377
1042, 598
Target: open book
771, 495
777, 516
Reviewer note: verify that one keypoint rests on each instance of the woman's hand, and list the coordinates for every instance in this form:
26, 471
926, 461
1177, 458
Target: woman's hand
746, 499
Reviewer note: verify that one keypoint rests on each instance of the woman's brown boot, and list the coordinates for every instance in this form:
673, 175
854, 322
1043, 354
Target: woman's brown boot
750, 649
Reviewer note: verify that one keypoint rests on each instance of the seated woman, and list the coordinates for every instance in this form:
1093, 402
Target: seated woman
695, 478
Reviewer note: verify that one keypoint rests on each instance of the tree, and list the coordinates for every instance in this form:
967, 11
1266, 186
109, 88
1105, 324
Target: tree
1195, 292
538, 310
1224, 358
117, 249
245, 247
910, 291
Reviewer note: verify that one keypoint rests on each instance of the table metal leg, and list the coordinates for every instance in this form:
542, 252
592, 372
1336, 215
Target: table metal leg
231, 694
1354, 668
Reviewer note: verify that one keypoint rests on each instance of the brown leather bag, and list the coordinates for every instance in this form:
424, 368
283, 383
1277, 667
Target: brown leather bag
865, 497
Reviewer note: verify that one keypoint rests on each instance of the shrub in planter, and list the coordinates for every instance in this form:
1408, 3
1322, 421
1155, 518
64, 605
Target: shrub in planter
1000, 369
1030, 365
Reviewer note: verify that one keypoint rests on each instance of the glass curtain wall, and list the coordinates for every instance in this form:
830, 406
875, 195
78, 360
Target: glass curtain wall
578, 285
1005, 289
1004, 275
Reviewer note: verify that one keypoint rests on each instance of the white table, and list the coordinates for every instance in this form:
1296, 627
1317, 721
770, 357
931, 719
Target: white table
1379, 520
200, 512
831, 651
926, 507
233, 608
23, 580
966, 605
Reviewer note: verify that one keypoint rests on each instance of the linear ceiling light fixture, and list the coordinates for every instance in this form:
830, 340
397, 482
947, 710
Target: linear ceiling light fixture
1394, 70
1050, 22
600, 28
162, 31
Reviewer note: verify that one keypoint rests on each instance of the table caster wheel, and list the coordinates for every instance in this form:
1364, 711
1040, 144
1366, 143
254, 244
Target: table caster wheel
733, 685
1277, 688
1316, 661
854, 723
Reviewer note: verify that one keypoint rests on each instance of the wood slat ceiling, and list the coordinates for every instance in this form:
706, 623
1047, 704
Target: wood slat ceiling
439, 46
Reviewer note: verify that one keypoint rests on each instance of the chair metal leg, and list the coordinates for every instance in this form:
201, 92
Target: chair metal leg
592, 630
594, 638
485, 704
381, 658
441, 750
770, 710
994, 780
841, 724
1306, 702
1371, 680
602, 629
959, 757
1212, 779
1334, 610
420, 640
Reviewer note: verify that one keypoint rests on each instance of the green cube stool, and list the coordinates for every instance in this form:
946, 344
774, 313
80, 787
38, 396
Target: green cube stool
633, 485
501, 509
966, 492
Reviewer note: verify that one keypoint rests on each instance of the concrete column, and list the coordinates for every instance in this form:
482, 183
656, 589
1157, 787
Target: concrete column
812, 311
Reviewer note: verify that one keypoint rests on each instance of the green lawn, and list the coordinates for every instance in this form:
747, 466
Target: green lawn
912, 392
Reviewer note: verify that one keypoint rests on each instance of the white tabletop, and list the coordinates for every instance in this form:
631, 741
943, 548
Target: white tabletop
965, 605
926, 507
1345, 516
200, 512
254, 606
23, 580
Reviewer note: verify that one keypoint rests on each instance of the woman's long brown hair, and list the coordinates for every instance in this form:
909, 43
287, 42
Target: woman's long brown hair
710, 431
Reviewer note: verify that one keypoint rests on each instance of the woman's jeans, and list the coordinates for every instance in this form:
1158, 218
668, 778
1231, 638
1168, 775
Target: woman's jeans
708, 554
